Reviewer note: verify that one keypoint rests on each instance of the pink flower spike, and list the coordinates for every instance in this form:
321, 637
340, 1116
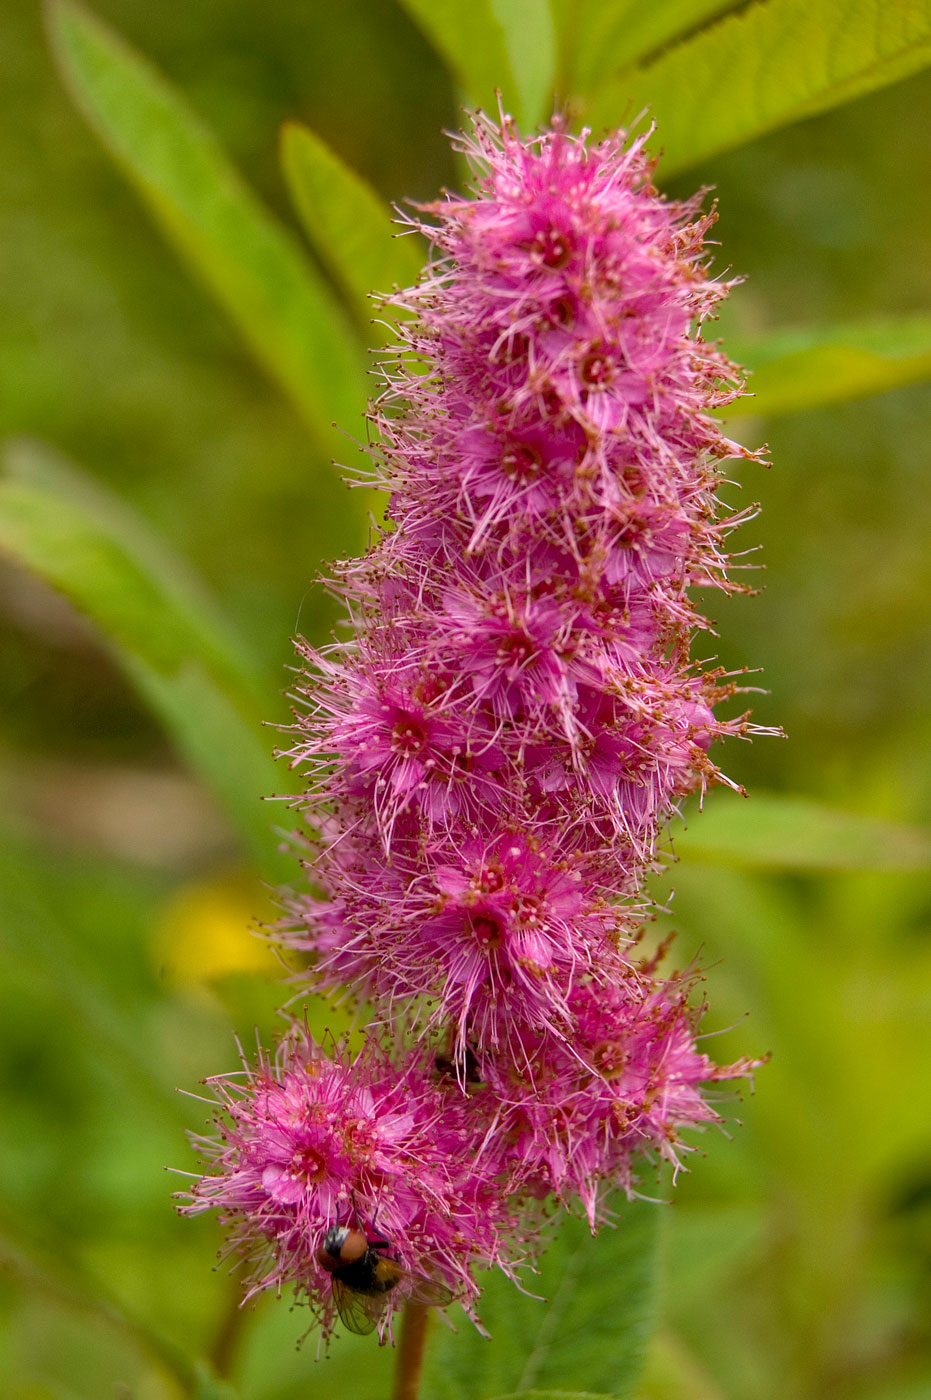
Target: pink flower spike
517, 715
494, 753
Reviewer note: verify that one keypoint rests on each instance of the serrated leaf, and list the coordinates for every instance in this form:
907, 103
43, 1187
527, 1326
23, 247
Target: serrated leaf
491, 45
610, 37
767, 66
251, 264
772, 832
171, 642
590, 1324
352, 229
807, 367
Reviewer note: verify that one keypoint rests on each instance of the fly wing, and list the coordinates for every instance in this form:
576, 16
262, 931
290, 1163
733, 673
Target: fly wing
425, 1292
358, 1312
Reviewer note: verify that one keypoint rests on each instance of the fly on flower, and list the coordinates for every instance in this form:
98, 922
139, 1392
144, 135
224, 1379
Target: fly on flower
365, 1279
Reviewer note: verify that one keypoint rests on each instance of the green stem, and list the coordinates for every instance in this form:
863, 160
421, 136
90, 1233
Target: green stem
410, 1352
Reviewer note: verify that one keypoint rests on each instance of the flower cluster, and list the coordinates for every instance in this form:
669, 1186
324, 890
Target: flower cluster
495, 752
310, 1133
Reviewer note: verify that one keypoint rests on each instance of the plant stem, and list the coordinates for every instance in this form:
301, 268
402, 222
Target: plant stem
410, 1352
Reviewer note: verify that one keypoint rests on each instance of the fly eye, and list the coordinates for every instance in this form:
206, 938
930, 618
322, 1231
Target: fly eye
353, 1247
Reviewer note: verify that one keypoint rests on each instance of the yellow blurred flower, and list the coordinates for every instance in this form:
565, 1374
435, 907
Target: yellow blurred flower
211, 928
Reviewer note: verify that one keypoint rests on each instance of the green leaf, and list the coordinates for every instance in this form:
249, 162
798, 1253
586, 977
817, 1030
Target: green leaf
769, 65
609, 36
31, 462
209, 1387
491, 45
807, 367
589, 1325
255, 270
470, 42
167, 637
352, 229
771, 832
530, 41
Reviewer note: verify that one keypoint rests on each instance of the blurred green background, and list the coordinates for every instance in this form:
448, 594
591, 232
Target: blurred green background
795, 1255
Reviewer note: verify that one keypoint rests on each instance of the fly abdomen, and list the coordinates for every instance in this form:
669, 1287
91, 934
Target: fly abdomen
387, 1275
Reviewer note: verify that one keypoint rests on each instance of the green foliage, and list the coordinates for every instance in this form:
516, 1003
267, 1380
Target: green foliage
597, 1309
805, 367
250, 264
768, 65
43, 949
64, 1278
209, 1388
824, 1178
771, 832
172, 643
606, 36
352, 229
91, 1054
529, 38
493, 45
